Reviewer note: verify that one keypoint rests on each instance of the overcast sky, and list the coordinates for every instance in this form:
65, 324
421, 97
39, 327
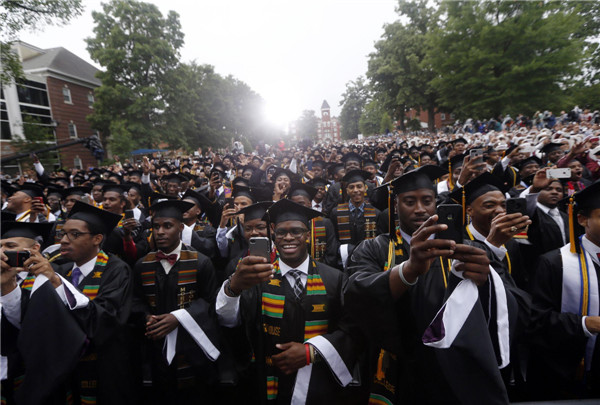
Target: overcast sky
295, 54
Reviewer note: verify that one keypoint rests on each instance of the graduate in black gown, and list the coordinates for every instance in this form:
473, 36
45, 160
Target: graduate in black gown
485, 205
323, 242
398, 284
174, 295
565, 360
16, 285
291, 310
354, 219
202, 236
96, 288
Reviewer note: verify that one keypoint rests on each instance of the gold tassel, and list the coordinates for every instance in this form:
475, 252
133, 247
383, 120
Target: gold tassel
450, 185
571, 226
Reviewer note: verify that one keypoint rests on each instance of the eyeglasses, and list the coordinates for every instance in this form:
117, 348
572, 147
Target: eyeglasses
295, 232
71, 235
257, 228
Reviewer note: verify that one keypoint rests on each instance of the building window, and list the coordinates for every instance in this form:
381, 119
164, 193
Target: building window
72, 130
90, 100
67, 95
77, 163
452, 116
443, 116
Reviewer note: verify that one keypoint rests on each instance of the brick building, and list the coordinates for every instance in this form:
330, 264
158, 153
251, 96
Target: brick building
56, 95
328, 127
441, 119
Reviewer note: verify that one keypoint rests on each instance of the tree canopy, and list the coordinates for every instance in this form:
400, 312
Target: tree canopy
353, 104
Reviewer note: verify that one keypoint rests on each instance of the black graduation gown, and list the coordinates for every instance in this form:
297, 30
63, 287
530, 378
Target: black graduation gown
545, 235
557, 339
205, 242
333, 196
166, 387
323, 387
114, 244
104, 322
424, 374
357, 227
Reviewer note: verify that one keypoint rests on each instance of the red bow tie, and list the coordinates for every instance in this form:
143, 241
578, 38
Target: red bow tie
172, 258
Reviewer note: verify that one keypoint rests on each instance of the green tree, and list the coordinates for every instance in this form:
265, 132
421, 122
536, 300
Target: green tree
353, 103
399, 71
139, 50
19, 15
372, 118
503, 57
306, 126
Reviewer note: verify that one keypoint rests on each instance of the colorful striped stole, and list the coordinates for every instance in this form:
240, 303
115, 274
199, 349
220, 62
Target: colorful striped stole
318, 239
344, 225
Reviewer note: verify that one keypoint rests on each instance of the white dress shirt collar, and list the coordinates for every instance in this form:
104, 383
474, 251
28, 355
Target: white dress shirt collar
284, 268
165, 263
591, 248
86, 268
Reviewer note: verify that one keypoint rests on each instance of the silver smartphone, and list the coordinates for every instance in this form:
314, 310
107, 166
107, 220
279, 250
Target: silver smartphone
260, 246
476, 156
562, 173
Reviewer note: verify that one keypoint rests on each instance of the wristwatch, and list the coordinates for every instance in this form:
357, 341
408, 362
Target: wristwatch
228, 290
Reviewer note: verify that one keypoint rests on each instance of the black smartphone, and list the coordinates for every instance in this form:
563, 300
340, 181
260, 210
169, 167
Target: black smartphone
229, 202
451, 215
514, 205
128, 214
260, 246
17, 258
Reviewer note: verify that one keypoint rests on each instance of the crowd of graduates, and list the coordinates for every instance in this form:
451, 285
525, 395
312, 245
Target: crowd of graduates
310, 274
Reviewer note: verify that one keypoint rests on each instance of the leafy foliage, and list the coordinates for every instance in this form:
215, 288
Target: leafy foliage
18, 15
353, 103
306, 126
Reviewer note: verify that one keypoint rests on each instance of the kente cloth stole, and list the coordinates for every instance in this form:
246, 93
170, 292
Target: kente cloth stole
186, 268
318, 239
86, 368
344, 226
91, 287
272, 312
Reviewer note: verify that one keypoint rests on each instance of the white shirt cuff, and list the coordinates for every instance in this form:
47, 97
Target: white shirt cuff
80, 301
38, 168
11, 306
585, 329
146, 178
525, 192
500, 252
227, 308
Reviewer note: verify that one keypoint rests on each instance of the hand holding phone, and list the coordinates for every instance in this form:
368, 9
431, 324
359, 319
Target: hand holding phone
260, 246
17, 258
451, 216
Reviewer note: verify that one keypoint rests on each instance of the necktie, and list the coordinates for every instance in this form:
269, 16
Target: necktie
172, 258
555, 214
297, 286
75, 275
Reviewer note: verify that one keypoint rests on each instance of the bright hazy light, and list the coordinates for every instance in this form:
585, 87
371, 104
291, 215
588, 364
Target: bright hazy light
281, 112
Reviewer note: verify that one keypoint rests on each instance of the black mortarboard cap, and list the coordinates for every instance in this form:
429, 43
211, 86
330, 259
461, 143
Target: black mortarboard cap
38, 231
281, 171
303, 189
287, 210
351, 156
171, 209
319, 163
174, 178
54, 190
75, 191
128, 186
117, 188
369, 162
255, 211
318, 181
116, 176
551, 147
459, 140
159, 196
480, 185
589, 197
420, 178
199, 199
99, 219
528, 161
455, 161
32, 190
240, 181
135, 173
334, 168
8, 188
355, 176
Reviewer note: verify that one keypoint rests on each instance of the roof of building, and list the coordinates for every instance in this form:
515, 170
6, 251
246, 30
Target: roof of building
62, 61
325, 105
